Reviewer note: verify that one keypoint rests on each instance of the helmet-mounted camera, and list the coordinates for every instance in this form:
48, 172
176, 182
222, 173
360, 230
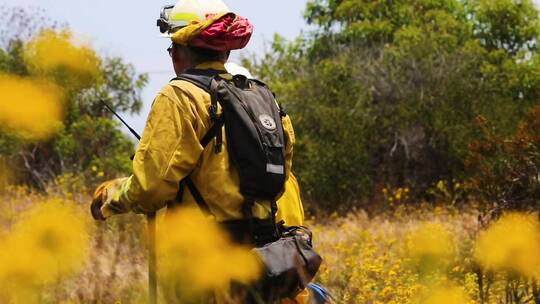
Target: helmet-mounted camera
163, 21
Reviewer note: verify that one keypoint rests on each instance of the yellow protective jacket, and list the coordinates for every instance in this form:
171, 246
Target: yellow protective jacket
170, 150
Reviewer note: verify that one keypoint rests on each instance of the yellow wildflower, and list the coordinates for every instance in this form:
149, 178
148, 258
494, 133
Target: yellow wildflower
444, 295
50, 51
430, 245
398, 194
512, 243
29, 107
196, 256
441, 186
49, 243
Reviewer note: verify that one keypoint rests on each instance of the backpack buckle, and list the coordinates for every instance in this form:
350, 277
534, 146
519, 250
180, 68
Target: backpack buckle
213, 112
214, 117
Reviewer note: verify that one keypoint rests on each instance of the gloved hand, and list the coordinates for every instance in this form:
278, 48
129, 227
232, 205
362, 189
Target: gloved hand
105, 202
100, 196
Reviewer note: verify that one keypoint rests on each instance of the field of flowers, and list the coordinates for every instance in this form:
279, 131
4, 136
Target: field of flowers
53, 253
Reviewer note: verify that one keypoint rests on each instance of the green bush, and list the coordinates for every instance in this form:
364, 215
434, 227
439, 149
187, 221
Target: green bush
90, 143
384, 94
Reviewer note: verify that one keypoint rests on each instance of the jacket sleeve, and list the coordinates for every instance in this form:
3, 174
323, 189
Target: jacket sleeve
168, 151
289, 143
290, 208
290, 139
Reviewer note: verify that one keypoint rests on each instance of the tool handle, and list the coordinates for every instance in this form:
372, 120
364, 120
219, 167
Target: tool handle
152, 261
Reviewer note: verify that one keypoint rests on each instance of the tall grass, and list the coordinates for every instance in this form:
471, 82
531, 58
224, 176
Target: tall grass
410, 255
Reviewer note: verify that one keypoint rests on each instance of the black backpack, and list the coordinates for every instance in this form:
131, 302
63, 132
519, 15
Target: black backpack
256, 145
255, 136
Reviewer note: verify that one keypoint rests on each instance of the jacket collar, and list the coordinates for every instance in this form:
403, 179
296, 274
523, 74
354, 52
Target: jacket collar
212, 65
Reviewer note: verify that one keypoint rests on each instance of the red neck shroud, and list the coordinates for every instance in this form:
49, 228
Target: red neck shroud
230, 32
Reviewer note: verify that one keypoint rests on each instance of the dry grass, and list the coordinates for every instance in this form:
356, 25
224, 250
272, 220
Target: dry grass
390, 258
368, 260
115, 270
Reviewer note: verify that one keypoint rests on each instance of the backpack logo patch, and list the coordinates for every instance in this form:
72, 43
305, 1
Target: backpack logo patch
267, 122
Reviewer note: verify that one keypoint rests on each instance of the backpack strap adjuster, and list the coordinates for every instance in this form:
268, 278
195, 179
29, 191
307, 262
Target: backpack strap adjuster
282, 112
214, 117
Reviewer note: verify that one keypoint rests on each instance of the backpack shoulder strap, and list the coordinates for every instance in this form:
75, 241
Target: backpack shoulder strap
204, 79
200, 78
188, 182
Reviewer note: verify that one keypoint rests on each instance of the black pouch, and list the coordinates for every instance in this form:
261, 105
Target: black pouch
290, 264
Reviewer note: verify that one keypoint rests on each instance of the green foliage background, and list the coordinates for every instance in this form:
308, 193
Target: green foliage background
385, 93
90, 146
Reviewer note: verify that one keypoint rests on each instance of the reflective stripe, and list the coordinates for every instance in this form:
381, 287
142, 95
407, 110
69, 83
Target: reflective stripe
188, 17
122, 195
276, 169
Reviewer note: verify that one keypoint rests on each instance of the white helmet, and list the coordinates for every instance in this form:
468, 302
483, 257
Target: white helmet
236, 69
185, 11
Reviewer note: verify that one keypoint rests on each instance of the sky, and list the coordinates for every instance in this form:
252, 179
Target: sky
128, 29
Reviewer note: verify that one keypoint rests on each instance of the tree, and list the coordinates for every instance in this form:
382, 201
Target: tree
505, 170
385, 93
89, 144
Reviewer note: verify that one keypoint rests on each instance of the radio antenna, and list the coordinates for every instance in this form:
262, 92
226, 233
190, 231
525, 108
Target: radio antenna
119, 117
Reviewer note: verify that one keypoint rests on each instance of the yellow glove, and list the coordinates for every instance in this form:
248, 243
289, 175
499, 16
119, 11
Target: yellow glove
102, 201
